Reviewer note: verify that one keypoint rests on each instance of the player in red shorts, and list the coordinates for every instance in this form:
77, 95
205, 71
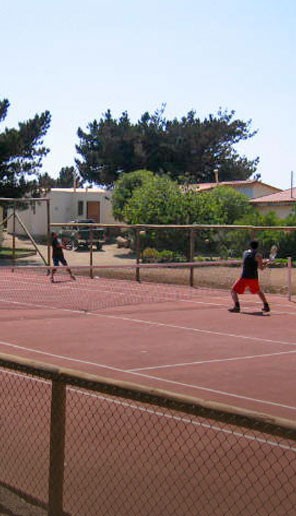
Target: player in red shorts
252, 260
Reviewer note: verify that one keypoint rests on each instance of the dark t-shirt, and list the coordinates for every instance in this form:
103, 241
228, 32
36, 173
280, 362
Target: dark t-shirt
57, 249
250, 264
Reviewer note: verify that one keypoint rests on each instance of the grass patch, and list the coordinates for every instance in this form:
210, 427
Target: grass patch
6, 253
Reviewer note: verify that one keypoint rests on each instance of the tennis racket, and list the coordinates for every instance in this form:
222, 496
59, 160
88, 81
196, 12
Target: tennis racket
272, 256
273, 253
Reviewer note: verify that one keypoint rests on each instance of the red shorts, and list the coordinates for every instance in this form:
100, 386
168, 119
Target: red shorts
240, 285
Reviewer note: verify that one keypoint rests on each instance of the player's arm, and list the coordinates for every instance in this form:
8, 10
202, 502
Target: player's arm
60, 244
262, 264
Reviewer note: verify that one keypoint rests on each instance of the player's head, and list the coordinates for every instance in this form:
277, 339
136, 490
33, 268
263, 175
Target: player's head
53, 234
254, 244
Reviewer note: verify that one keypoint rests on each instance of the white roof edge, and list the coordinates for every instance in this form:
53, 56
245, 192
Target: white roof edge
79, 190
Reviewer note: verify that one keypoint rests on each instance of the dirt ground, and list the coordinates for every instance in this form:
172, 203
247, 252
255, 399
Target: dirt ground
109, 254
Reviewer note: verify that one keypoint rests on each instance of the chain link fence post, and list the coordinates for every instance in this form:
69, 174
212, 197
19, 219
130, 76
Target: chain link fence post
57, 449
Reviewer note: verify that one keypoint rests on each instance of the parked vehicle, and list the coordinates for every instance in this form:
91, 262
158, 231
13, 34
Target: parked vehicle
76, 237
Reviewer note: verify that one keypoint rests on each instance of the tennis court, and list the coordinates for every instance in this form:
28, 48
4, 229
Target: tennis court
170, 337
166, 336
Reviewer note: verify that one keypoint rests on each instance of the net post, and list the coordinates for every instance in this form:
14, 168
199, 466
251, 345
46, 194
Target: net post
91, 253
13, 235
138, 254
48, 230
57, 449
191, 255
289, 271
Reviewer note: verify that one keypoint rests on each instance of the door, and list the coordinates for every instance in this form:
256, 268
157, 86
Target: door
93, 210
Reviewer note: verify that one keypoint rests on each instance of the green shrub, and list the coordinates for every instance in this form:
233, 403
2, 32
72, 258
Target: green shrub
166, 256
150, 255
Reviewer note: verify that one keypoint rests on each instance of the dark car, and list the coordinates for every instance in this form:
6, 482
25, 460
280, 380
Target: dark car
76, 237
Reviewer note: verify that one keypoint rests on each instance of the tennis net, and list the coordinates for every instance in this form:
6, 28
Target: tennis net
103, 286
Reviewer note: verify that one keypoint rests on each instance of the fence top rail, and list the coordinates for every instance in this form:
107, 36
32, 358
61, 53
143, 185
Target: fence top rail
191, 405
174, 226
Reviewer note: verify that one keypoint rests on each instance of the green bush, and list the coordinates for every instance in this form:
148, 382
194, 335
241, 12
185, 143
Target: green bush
150, 255
166, 256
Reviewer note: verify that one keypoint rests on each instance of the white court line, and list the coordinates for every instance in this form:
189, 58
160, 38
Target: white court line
152, 323
213, 361
160, 414
217, 391
63, 357
192, 329
134, 373
157, 324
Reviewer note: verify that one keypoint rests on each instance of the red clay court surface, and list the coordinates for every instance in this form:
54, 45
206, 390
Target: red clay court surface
174, 338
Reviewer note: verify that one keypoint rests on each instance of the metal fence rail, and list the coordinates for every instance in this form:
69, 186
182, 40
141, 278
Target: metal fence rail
72, 443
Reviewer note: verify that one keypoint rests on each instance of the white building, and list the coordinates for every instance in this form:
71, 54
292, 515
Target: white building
66, 204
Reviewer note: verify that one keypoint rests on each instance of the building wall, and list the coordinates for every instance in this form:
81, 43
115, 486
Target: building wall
63, 208
255, 190
34, 218
281, 210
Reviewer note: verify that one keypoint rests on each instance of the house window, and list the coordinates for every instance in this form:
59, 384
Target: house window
80, 208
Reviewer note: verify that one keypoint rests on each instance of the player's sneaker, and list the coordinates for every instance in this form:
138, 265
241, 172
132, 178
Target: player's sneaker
235, 309
266, 308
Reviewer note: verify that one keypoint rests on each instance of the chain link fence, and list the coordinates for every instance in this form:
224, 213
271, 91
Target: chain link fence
75, 444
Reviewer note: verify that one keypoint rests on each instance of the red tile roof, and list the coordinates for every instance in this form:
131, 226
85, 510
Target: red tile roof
279, 197
209, 186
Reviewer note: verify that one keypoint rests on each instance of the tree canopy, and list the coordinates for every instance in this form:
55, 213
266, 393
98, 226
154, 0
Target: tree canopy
157, 201
142, 197
124, 190
188, 150
21, 152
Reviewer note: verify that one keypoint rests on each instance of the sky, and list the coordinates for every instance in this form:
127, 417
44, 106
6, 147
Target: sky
77, 59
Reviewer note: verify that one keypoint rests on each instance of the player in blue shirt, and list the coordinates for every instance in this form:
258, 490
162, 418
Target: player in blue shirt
58, 256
